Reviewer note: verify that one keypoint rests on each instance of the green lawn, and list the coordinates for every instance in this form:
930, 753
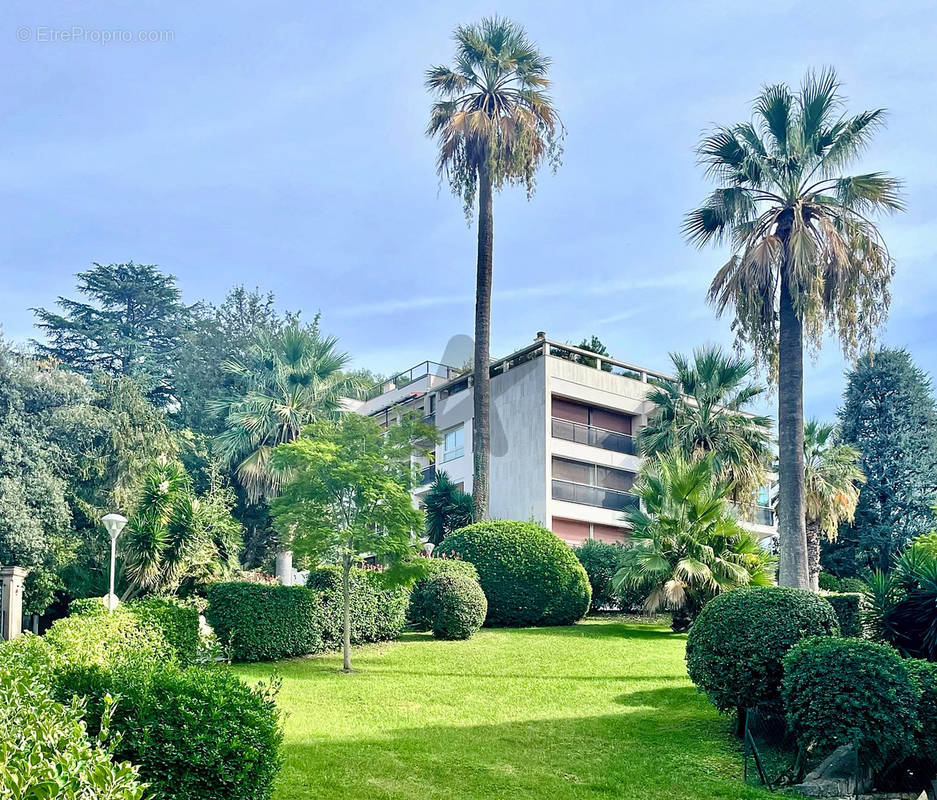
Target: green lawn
601, 709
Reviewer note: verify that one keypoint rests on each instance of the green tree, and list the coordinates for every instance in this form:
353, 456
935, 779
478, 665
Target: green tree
447, 508
290, 377
686, 544
705, 411
495, 124
890, 416
594, 345
348, 495
173, 534
805, 253
133, 326
831, 479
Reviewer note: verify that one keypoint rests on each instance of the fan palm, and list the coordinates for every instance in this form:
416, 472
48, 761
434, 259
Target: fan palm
804, 252
495, 124
704, 412
292, 378
831, 488
686, 543
446, 507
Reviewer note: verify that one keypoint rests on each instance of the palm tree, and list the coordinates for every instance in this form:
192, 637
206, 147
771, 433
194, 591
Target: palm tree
831, 488
292, 377
704, 412
686, 543
495, 124
446, 507
804, 252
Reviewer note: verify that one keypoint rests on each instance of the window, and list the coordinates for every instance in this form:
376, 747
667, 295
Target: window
453, 443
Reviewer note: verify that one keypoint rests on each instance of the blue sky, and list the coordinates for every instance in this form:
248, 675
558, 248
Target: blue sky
281, 145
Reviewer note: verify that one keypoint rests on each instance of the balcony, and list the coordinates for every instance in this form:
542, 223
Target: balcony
581, 433
430, 369
760, 515
428, 475
593, 495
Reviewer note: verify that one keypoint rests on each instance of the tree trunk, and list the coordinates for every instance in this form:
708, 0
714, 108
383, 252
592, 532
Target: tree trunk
284, 567
813, 554
346, 600
481, 430
792, 535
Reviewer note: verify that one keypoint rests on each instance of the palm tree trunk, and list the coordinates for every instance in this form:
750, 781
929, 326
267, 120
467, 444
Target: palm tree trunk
813, 554
792, 535
481, 430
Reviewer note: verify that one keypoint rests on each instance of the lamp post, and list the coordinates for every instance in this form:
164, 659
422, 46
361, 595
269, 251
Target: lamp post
114, 524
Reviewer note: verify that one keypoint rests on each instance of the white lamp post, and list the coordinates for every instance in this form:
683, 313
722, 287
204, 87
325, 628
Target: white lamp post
114, 524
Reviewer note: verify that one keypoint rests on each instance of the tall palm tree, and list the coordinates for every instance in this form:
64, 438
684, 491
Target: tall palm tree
292, 377
831, 488
686, 543
495, 124
804, 252
704, 412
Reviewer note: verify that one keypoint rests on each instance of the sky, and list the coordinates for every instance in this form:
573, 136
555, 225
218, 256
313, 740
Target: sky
281, 145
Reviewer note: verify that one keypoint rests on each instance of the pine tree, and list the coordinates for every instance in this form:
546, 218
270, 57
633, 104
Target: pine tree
889, 414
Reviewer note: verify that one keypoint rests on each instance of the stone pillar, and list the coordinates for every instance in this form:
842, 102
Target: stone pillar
11, 601
284, 567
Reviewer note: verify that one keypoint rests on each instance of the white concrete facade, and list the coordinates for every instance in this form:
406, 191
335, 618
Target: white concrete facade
531, 449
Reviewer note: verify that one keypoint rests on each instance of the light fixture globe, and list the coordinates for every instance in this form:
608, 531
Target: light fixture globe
114, 524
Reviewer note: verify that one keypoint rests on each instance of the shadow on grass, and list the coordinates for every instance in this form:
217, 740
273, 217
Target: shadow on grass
673, 748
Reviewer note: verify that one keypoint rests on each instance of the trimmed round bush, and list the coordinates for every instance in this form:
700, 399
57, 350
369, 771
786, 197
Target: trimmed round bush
735, 648
198, 734
417, 614
850, 691
259, 622
457, 605
528, 574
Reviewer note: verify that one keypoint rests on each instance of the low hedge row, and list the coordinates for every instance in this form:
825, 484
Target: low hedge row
258, 622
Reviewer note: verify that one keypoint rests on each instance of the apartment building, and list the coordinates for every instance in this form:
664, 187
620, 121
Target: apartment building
563, 422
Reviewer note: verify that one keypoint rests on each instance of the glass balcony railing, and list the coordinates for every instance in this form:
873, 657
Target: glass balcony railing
428, 475
593, 495
761, 515
596, 437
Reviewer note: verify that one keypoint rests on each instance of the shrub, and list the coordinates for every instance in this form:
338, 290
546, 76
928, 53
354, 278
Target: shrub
828, 582
378, 611
458, 606
735, 648
178, 623
601, 560
198, 734
529, 576
260, 622
924, 675
45, 751
850, 691
417, 613
848, 610
102, 639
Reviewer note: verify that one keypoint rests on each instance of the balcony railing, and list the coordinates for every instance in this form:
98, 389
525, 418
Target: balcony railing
428, 475
405, 378
761, 515
593, 495
581, 433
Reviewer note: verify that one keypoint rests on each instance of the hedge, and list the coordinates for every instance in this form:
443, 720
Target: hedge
45, 750
924, 675
378, 612
458, 606
198, 734
417, 614
848, 610
850, 691
528, 574
735, 648
257, 622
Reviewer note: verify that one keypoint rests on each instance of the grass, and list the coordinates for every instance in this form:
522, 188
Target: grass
600, 709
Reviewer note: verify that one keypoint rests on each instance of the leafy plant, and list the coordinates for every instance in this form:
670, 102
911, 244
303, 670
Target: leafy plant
528, 575
602, 560
686, 544
447, 508
418, 613
458, 606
